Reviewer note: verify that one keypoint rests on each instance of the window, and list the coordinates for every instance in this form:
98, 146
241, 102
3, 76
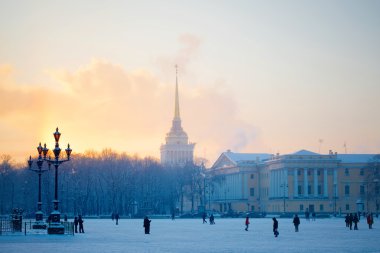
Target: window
252, 191
319, 172
308, 173
321, 207
309, 189
252, 208
319, 189
301, 207
299, 189
347, 207
362, 190
346, 172
347, 190
361, 172
252, 176
299, 172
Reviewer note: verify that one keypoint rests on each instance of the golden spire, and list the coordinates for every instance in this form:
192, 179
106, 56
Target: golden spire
176, 110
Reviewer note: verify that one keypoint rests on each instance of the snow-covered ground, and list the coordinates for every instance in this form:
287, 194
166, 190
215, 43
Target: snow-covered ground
190, 235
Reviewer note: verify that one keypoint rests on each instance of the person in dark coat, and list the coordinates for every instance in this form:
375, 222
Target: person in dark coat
369, 220
204, 218
212, 219
147, 225
246, 223
350, 220
117, 218
76, 224
313, 215
346, 219
296, 222
275, 227
355, 220
80, 221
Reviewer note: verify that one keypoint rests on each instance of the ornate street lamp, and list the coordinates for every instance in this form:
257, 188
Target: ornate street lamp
284, 186
55, 226
40, 224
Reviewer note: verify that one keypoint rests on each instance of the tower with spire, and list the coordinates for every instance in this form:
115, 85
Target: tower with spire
177, 151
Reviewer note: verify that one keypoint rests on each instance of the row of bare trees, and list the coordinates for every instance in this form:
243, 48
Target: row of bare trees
101, 183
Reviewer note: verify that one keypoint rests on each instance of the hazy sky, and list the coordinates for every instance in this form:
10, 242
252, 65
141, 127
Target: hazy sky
254, 76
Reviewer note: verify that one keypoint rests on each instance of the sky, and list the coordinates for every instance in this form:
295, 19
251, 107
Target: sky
254, 76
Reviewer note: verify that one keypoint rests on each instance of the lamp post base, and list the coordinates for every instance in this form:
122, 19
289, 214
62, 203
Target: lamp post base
56, 229
39, 225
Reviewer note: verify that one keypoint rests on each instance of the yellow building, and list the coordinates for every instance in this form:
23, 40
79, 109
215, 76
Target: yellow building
292, 183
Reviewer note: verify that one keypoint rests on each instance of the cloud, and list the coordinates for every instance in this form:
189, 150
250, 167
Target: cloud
103, 105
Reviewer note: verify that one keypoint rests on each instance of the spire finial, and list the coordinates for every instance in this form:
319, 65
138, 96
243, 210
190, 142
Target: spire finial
176, 109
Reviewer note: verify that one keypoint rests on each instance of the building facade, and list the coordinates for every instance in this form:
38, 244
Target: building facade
177, 150
293, 183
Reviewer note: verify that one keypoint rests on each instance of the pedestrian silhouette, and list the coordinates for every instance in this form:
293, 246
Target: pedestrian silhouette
212, 219
370, 220
350, 220
147, 225
347, 220
246, 223
80, 221
117, 218
204, 218
275, 227
76, 224
355, 220
296, 222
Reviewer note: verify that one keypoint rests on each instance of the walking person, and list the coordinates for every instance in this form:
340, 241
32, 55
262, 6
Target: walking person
246, 223
369, 220
76, 224
80, 221
212, 219
346, 219
117, 218
275, 227
355, 220
296, 222
313, 215
350, 220
147, 225
204, 218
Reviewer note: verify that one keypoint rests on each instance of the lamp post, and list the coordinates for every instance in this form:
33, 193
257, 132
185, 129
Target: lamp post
40, 224
376, 181
335, 197
284, 186
55, 226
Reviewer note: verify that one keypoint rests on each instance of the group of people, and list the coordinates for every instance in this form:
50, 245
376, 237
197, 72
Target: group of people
349, 219
212, 219
355, 218
78, 221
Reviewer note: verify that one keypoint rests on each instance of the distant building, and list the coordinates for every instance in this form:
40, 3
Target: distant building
177, 151
295, 183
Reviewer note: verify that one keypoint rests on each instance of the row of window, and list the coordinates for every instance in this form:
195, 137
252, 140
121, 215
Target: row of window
309, 189
299, 173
